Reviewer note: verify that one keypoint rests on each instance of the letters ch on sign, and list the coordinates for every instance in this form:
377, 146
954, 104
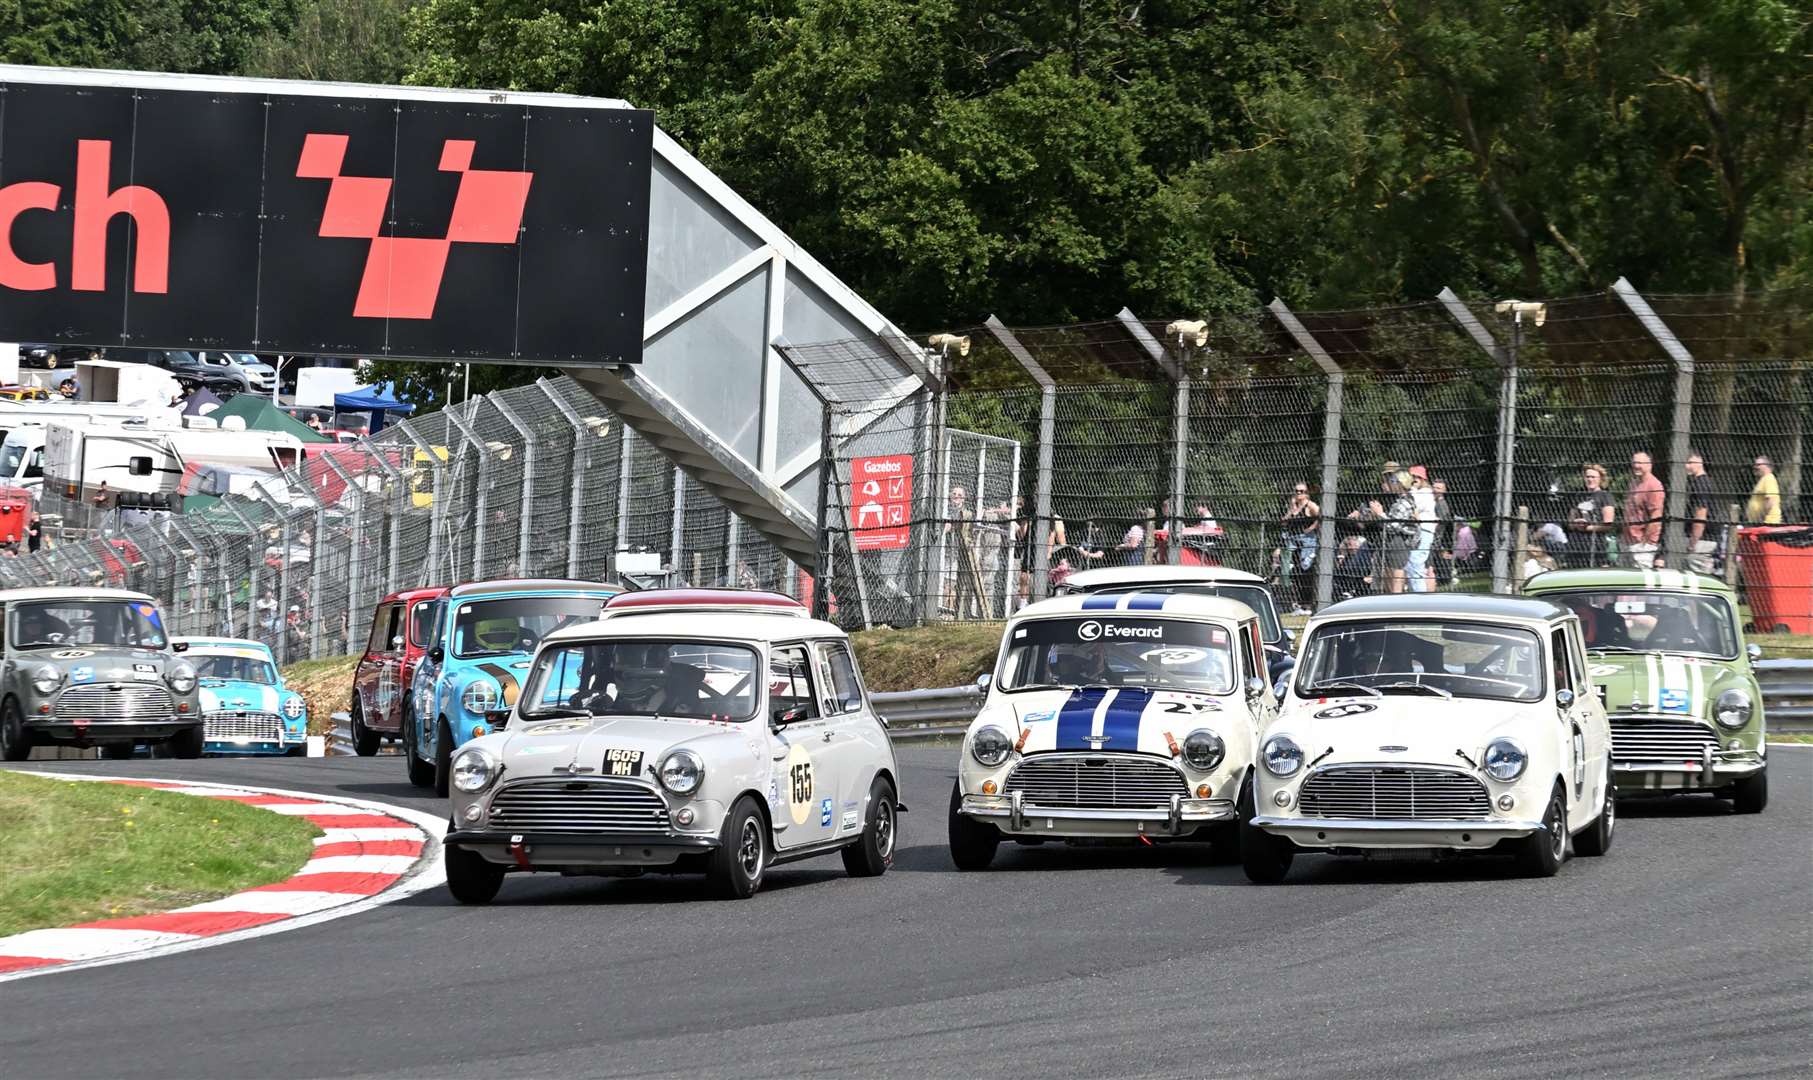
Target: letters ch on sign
95, 206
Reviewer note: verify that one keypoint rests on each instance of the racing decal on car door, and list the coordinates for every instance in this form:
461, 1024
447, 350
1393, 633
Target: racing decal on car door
798, 784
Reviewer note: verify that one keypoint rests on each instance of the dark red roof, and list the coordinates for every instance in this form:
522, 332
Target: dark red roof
743, 598
427, 592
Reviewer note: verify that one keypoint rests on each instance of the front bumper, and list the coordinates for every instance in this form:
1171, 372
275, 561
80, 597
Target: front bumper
1389, 833
553, 850
98, 731
1715, 769
1016, 817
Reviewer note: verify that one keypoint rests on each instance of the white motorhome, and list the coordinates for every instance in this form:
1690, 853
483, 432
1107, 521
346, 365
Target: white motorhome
22, 442
125, 384
153, 460
61, 411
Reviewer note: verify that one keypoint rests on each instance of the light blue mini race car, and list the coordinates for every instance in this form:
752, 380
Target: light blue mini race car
477, 657
245, 707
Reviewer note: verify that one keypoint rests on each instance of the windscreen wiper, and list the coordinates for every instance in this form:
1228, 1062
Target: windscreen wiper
1417, 686
1337, 684
555, 714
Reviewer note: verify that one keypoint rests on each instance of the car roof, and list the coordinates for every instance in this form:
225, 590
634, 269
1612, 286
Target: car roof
1162, 574
1145, 605
1626, 578
70, 592
195, 643
1461, 605
721, 625
425, 592
751, 600
530, 585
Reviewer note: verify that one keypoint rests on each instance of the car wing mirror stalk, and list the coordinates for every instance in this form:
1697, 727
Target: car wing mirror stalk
1564, 698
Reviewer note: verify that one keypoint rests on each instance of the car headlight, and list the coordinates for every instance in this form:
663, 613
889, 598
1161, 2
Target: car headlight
480, 697
1505, 760
473, 771
293, 708
1733, 709
45, 679
990, 745
1203, 749
682, 772
1282, 756
181, 677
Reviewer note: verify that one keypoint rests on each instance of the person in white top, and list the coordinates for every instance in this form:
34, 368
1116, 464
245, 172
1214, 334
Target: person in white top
1423, 496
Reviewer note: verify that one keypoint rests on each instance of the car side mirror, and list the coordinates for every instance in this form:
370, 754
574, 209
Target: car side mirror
1255, 686
396, 642
437, 654
785, 716
982, 682
1753, 651
1564, 698
183, 646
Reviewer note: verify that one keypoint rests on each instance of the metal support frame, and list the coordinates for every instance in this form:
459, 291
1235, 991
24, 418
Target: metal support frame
1331, 447
438, 509
1172, 364
220, 567
253, 542
482, 505
316, 581
676, 568
1674, 530
576, 497
839, 486
355, 537
399, 485
528, 480
1507, 428
623, 492
282, 648
177, 562
937, 498
1048, 404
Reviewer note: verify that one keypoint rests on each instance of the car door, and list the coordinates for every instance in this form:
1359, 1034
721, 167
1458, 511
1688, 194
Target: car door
803, 761
1590, 710
1579, 772
857, 742
375, 696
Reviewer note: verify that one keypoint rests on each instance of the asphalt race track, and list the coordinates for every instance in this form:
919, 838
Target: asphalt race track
1687, 951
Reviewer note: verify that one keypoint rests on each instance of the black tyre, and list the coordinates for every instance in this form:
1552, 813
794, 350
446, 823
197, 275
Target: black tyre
874, 853
365, 740
1596, 839
735, 869
421, 773
187, 743
1541, 854
443, 758
471, 878
117, 751
1751, 794
296, 751
973, 842
1224, 844
1265, 858
15, 741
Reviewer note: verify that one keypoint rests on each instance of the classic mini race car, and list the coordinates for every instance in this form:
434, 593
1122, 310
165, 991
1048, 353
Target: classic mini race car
1249, 589
1435, 724
698, 741
1129, 716
400, 627
245, 707
93, 667
477, 654
1671, 668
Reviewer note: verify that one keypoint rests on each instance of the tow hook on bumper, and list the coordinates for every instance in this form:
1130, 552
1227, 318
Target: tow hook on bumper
519, 851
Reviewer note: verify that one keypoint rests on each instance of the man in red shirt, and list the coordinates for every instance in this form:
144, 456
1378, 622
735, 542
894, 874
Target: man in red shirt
1643, 512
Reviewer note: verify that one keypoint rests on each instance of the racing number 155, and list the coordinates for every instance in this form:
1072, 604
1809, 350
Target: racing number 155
802, 782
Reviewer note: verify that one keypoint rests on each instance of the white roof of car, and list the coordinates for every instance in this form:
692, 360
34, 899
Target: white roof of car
719, 625
1140, 605
203, 644
1161, 574
69, 592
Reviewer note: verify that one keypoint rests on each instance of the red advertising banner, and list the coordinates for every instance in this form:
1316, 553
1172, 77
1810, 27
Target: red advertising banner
881, 502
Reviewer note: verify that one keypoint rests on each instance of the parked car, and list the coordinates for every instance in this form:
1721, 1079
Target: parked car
1249, 589
24, 393
258, 376
401, 625
1128, 717
93, 667
715, 742
477, 654
188, 368
1435, 724
1672, 670
245, 707
54, 356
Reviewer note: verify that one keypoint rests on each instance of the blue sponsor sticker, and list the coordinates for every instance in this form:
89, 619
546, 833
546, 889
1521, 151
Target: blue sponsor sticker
1673, 701
1039, 717
824, 813
82, 673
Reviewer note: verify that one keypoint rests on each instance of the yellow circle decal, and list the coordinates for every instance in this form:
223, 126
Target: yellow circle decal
798, 784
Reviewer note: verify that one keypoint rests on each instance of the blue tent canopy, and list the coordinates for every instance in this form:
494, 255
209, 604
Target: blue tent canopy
376, 399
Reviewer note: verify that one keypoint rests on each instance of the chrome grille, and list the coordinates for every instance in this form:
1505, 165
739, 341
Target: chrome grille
578, 806
1400, 794
1091, 782
223, 726
102, 701
1661, 740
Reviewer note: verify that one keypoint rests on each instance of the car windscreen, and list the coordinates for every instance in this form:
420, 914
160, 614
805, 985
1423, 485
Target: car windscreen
701, 680
1464, 659
11, 454
1111, 650
516, 624
421, 622
1649, 621
235, 669
1255, 596
62, 623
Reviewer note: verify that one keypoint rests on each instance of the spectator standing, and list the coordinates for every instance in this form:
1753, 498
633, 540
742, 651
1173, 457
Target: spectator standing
1131, 551
960, 528
1353, 567
1301, 519
1702, 542
295, 640
34, 532
1591, 520
1444, 534
1643, 513
1765, 505
1417, 573
1397, 527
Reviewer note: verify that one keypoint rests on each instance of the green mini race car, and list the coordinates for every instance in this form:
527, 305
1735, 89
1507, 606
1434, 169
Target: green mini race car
1669, 661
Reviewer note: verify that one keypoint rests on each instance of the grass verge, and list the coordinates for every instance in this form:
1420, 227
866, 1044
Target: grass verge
80, 851
950, 654
1792, 737
327, 686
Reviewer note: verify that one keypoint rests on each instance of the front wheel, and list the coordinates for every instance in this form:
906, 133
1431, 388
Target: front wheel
973, 842
1265, 858
735, 869
15, 741
874, 853
1541, 853
365, 740
1751, 794
188, 743
421, 773
472, 878
443, 758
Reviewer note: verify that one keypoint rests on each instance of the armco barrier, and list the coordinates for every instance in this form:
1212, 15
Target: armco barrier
1787, 694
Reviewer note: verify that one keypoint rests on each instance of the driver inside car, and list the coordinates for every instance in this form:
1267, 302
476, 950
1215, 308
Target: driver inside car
39, 627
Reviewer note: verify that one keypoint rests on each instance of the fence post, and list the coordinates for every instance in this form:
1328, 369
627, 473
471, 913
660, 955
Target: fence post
827, 473
220, 572
676, 555
528, 480
356, 538
1523, 546
482, 505
400, 487
283, 572
1674, 532
253, 542
1734, 517
623, 492
438, 508
936, 494
1041, 505
575, 497
317, 593
1507, 428
1331, 450
1173, 367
